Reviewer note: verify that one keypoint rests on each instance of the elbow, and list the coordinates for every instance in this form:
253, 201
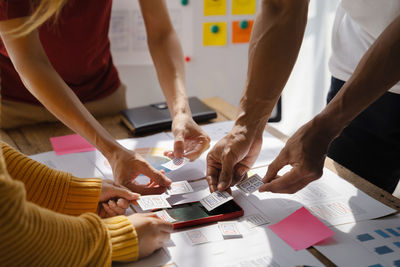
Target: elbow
25, 67
159, 39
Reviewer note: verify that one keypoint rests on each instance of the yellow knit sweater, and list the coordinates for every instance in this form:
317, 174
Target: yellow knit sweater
36, 226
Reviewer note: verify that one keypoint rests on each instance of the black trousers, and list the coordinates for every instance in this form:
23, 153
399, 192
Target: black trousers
370, 144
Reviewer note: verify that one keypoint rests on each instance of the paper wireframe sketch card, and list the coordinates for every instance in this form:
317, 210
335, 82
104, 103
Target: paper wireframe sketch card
215, 200
150, 202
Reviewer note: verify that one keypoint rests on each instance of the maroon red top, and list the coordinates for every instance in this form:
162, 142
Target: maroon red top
77, 46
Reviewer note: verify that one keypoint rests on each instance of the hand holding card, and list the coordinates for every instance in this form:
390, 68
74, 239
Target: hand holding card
178, 188
215, 200
251, 184
175, 163
150, 202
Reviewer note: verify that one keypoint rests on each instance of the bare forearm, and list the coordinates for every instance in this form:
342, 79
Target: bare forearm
377, 72
169, 63
167, 54
274, 46
48, 87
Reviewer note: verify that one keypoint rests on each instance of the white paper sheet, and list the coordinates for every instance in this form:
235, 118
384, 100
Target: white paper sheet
360, 244
332, 199
260, 242
145, 146
77, 164
151, 148
128, 33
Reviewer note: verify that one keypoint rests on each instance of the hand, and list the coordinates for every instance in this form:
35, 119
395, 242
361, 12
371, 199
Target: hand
152, 232
190, 140
305, 151
230, 159
127, 165
114, 199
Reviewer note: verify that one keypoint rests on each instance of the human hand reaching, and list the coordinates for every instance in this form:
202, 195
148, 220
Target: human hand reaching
190, 140
114, 199
127, 165
305, 151
152, 232
230, 159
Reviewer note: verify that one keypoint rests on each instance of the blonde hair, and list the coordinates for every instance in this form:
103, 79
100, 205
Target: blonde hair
44, 10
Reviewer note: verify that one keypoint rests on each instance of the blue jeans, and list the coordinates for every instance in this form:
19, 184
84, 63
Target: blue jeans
370, 144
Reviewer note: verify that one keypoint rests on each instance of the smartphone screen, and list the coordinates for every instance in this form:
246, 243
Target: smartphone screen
196, 213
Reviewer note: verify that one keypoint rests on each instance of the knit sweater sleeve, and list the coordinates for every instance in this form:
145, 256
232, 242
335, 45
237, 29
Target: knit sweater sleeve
52, 189
34, 236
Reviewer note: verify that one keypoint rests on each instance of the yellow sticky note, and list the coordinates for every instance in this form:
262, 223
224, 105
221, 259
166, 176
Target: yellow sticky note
243, 7
214, 33
214, 7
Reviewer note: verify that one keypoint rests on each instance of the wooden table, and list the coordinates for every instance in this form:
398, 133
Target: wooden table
35, 139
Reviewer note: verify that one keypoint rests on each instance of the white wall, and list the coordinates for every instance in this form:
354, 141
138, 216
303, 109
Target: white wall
221, 71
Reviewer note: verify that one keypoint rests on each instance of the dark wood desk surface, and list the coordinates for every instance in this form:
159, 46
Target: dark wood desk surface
35, 139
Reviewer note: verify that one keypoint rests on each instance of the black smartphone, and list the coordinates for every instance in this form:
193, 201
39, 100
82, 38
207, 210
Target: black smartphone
194, 213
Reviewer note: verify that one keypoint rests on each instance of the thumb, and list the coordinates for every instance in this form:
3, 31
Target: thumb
122, 192
154, 175
279, 162
225, 178
179, 145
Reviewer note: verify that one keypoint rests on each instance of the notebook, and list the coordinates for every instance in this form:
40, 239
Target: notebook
156, 117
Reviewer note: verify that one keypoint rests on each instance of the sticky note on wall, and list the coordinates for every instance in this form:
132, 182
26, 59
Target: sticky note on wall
241, 31
243, 7
214, 33
214, 7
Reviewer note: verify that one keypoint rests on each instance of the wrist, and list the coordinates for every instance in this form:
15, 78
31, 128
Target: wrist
326, 127
112, 151
255, 112
180, 109
249, 126
252, 123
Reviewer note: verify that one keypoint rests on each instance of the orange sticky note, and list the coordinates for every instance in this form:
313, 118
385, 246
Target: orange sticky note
214, 33
243, 7
214, 7
240, 34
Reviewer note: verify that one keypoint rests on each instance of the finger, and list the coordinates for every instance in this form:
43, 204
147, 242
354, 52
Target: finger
212, 177
169, 154
201, 146
275, 167
225, 177
101, 212
179, 145
289, 183
123, 192
115, 208
239, 174
108, 210
164, 226
229, 190
154, 175
146, 190
123, 203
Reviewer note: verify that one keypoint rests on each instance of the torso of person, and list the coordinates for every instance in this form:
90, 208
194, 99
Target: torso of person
77, 46
357, 25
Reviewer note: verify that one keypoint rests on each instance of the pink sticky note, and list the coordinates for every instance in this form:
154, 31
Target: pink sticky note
70, 144
301, 229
